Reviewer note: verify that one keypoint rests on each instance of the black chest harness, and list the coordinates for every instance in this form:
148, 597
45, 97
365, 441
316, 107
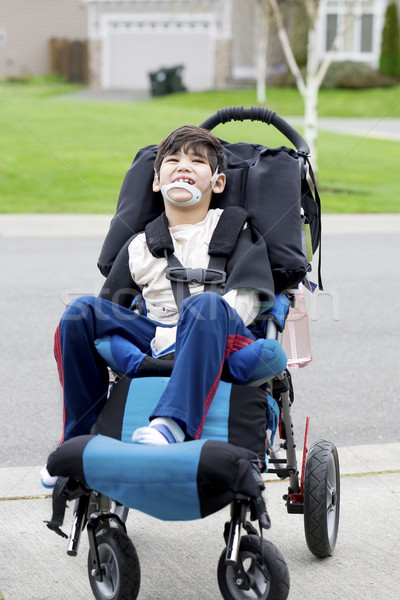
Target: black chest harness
221, 247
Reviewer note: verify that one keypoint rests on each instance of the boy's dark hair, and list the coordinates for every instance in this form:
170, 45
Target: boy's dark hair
197, 139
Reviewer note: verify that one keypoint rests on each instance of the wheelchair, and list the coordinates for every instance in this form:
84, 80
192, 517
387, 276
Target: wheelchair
106, 475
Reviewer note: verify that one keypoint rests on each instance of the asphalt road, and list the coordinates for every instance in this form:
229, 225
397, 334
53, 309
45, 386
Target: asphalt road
350, 390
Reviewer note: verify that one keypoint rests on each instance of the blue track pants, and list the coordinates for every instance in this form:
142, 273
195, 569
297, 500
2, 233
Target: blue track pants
209, 330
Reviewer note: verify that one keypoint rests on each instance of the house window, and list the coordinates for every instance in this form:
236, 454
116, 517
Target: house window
366, 33
355, 19
3, 36
331, 30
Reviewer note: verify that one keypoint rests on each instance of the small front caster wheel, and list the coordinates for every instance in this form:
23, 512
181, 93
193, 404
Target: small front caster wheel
119, 565
266, 575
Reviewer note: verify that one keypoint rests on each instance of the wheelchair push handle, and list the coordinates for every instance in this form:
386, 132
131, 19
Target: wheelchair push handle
258, 113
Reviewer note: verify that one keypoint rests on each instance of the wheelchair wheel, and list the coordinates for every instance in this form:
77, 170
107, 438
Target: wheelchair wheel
321, 498
120, 567
265, 568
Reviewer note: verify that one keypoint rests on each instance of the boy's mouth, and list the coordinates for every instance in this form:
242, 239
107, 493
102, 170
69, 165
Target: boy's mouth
183, 180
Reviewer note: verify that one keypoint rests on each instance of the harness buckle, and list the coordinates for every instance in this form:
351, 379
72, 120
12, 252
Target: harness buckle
188, 275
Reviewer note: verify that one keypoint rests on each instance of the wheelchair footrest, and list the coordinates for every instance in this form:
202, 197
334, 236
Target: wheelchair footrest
294, 503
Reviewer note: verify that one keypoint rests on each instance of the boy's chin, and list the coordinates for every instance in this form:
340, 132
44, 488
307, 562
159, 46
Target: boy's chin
180, 198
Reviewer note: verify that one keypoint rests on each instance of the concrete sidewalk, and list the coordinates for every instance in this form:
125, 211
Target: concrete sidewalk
384, 128
75, 226
179, 560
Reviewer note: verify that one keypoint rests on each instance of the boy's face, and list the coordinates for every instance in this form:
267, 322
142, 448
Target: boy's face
190, 168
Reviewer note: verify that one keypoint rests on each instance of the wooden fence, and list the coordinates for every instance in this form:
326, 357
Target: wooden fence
70, 59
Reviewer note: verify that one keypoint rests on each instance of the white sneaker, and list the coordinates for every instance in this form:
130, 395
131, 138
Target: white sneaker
46, 479
149, 436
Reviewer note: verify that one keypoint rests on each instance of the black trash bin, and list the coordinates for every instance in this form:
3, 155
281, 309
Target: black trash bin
167, 80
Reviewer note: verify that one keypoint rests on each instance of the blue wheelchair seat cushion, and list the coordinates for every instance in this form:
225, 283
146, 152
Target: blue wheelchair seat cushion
177, 482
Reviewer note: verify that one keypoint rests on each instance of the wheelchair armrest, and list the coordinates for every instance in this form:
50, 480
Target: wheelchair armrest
119, 286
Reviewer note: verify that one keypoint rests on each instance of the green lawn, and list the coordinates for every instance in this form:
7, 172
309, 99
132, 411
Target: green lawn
60, 154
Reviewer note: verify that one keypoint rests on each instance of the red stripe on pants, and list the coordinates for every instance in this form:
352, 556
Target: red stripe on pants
233, 344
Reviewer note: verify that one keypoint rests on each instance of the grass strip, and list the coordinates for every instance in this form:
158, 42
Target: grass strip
63, 155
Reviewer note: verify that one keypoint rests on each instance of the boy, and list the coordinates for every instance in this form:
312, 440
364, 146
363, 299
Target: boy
207, 331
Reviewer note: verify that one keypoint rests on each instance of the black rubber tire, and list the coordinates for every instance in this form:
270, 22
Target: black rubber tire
322, 498
121, 580
268, 572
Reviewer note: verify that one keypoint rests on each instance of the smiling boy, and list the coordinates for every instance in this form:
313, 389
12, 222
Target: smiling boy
186, 157
208, 327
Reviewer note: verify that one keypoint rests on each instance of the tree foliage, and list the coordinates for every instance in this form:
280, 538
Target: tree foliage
389, 63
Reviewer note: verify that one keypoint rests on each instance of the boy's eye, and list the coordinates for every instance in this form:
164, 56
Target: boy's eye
194, 159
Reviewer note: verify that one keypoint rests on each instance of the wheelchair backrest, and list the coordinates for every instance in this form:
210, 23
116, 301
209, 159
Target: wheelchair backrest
269, 183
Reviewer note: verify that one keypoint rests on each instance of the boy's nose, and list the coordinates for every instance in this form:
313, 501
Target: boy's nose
184, 165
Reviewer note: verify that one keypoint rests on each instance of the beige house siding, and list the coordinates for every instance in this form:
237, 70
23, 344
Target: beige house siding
26, 27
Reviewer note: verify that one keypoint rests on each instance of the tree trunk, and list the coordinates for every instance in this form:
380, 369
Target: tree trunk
309, 86
311, 118
262, 44
311, 93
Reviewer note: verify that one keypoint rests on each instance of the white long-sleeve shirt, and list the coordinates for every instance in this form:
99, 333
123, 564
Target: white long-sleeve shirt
191, 244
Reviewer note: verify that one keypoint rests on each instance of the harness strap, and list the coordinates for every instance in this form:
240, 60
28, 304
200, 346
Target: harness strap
158, 237
222, 244
227, 231
180, 288
216, 264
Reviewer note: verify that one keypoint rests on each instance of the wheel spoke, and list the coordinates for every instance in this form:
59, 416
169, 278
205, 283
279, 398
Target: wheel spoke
257, 590
331, 498
113, 572
257, 579
110, 570
252, 575
330, 494
252, 570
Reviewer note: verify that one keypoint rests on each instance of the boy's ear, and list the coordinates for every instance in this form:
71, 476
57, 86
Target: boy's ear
156, 183
219, 184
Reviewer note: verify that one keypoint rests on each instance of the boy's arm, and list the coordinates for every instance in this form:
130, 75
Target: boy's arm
249, 274
246, 302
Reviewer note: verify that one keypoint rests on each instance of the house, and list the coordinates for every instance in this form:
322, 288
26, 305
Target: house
214, 40
26, 27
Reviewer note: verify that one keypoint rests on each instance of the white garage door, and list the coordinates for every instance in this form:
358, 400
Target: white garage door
133, 47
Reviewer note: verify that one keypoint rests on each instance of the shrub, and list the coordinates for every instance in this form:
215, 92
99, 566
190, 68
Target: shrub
389, 63
355, 75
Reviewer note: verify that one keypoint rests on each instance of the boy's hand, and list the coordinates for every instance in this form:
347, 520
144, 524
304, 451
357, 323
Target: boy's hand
164, 339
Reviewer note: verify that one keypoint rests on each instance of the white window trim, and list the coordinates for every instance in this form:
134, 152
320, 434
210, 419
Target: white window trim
143, 23
377, 11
